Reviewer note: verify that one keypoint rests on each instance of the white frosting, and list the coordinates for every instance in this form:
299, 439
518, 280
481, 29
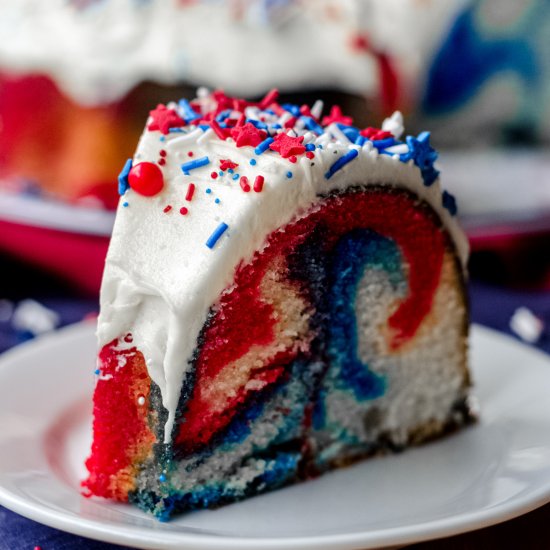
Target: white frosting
161, 279
97, 52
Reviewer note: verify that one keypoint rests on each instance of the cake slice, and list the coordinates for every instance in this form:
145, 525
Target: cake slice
283, 295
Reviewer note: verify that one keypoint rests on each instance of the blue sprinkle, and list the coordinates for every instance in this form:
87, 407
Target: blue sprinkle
97, 371
192, 164
384, 143
162, 478
289, 174
209, 190
162, 138
217, 201
125, 204
263, 145
253, 162
220, 173
218, 232
360, 140
175, 130
294, 109
319, 146
189, 114
423, 155
123, 184
449, 202
276, 126
223, 115
349, 131
310, 147
341, 162
235, 176
312, 125
231, 170
259, 124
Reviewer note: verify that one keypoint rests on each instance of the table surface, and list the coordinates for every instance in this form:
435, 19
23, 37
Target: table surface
491, 306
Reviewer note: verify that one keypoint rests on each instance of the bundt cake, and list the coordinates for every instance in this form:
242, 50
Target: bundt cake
283, 295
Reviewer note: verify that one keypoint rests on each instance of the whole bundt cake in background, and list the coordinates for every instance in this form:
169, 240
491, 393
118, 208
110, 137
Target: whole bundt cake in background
283, 294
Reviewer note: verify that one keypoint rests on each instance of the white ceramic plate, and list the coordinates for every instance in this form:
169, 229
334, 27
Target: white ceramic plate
480, 476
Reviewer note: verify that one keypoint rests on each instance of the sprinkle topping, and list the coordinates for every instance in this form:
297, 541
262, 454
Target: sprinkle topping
226, 164
123, 178
146, 179
288, 146
273, 129
337, 116
194, 164
164, 119
215, 236
247, 135
341, 162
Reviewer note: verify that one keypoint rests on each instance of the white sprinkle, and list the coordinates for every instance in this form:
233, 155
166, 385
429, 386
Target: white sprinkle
394, 124
309, 136
368, 146
323, 139
317, 109
205, 137
338, 134
300, 124
191, 136
306, 167
526, 325
141, 400
400, 149
252, 112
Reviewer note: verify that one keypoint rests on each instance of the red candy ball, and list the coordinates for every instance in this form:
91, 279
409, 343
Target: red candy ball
146, 179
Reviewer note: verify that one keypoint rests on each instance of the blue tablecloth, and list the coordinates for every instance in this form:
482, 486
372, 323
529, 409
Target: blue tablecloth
490, 306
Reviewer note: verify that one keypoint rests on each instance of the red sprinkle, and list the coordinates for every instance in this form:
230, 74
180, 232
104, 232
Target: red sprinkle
244, 184
146, 179
241, 120
218, 130
291, 122
128, 338
292, 159
167, 208
258, 184
38, 548
269, 98
214, 175
162, 153
306, 111
375, 133
277, 109
310, 154
190, 154
227, 164
162, 162
183, 210
190, 191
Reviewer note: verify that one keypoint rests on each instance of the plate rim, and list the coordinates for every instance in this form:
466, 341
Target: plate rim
141, 537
